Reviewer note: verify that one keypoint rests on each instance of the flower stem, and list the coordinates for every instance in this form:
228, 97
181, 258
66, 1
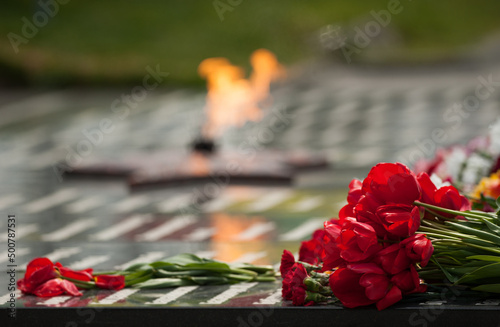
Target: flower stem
453, 212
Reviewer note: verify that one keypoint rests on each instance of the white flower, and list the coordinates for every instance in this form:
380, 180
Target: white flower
477, 167
454, 162
438, 181
494, 135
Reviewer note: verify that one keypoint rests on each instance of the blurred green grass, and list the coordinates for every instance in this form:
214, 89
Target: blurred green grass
111, 42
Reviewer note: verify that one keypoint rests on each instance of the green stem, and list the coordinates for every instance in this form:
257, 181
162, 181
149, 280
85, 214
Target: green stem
461, 243
453, 212
138, 280
265, 279
443, 232
79, 283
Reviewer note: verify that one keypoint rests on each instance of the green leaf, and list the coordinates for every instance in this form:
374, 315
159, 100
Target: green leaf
164, 283
262, 269
165, 266
214, 266
164, 273
241, 278
207, 280
487, 271
185, 258
139, 279
451, 278
492, 226
138, 266
478, 242
461, 271
498, 202
492, 288
485, 258
479, 233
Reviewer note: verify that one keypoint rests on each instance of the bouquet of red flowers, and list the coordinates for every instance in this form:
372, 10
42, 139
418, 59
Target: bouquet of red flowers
396, 229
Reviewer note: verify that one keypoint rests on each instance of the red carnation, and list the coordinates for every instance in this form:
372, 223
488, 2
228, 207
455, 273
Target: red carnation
287, 262
298, 276
286, 286
299, 296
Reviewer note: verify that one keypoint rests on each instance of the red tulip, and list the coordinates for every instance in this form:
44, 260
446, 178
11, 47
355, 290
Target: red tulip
408, 281
311, 251
418, 249
55, 287
38, 272
82, 275
447, 196
399, 220
393, 259
392, 184
357, 242
363, 284
355, 191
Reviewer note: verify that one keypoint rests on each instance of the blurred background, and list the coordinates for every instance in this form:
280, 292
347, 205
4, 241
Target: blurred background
95, 43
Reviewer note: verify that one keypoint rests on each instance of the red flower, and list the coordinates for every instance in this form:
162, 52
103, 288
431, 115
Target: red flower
293, 287
331, 256
393, 259
293, 279
355, 191
392, 183
286, 286
447, 196
363, 284
357, 242
82, 275
55, 287
353, 242
38, 272
298, 276
41, 279
418, 249
311, 251
408, 281
399, 220
366, 213
299, 297
386, 184
287, 261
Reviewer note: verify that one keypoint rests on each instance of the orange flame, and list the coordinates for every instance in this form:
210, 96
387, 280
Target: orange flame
232, 100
